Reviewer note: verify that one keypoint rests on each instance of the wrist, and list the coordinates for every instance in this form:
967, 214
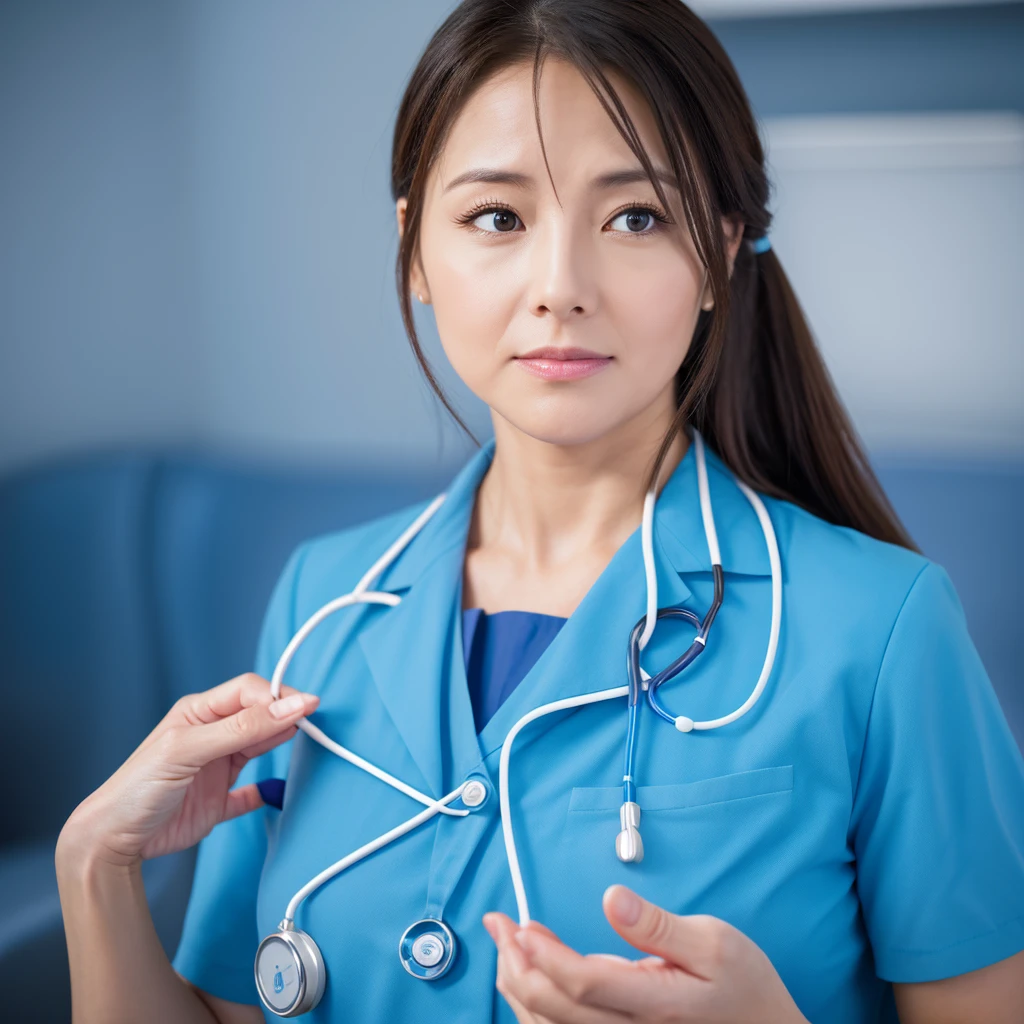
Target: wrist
83, 850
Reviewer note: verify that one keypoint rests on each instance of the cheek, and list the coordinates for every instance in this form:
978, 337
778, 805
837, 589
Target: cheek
473, 313
653, 316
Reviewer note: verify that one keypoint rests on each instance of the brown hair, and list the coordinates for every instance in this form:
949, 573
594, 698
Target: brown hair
753, 381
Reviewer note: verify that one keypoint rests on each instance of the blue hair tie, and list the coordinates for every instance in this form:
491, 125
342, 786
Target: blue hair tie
761, 244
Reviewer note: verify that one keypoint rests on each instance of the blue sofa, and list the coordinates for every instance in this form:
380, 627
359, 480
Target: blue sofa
130, 578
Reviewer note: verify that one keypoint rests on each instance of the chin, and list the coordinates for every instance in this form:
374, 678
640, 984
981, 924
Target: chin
565, 424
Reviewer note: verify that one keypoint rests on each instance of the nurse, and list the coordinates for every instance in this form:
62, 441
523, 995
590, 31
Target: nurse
851, 845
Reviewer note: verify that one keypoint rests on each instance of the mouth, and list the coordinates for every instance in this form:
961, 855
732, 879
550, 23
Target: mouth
553, 363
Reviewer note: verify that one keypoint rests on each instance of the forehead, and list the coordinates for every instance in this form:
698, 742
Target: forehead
497, 127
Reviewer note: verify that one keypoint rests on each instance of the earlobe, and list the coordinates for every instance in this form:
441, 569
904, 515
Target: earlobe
707, 297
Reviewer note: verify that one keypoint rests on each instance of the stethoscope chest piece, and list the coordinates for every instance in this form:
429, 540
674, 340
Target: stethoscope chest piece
427, 949
290, 973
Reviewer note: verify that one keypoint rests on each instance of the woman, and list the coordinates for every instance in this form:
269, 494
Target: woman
581, 196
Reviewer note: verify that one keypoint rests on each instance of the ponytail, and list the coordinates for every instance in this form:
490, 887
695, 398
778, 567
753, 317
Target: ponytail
773, 415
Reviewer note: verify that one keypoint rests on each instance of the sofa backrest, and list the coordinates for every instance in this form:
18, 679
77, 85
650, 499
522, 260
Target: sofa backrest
127, 580
81, 675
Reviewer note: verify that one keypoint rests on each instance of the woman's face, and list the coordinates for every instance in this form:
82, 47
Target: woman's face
520, 279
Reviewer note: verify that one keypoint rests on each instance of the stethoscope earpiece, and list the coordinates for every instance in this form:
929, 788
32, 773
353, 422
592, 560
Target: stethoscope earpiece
629, 847
290, 972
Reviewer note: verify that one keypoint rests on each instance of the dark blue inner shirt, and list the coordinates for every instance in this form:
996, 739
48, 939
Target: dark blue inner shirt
499, 650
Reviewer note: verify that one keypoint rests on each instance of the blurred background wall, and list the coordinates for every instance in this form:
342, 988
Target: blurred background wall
198, 238
202, 361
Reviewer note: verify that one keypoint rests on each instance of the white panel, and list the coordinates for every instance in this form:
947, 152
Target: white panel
764, 8
902, 236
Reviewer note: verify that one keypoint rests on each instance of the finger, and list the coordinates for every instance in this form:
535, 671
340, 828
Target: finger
600, 981
228, 698
489, 924
502, 929
261, 748
242, 801
248, 729
691, 942
243, 757
543, 929
534, 990
523, 1015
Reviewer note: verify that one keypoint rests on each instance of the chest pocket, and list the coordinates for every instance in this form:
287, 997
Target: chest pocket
678, 796
708, 845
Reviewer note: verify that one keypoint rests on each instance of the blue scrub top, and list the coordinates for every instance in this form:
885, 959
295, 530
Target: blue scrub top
863, 823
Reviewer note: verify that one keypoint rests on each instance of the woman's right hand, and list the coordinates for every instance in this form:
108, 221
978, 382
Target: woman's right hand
177, 784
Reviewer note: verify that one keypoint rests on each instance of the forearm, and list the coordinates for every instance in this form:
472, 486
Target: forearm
119, 970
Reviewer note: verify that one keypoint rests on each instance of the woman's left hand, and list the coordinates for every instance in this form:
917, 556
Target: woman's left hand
702, 970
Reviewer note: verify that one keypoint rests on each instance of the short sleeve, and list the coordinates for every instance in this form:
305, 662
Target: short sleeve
938, 811
220, 935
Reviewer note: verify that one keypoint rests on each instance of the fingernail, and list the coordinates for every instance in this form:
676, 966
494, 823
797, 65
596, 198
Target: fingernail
287, 705
489, 926
625, 905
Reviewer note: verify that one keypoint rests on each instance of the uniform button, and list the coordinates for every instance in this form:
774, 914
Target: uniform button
475, 793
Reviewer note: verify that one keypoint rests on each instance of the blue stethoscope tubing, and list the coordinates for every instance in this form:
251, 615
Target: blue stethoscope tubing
638, 685
628, 844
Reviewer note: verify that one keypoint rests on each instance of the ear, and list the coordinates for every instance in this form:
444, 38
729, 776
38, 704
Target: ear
417, 280
400, 208
732, 229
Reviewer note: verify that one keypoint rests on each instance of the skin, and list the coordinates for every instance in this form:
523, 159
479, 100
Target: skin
565, 488
564, 491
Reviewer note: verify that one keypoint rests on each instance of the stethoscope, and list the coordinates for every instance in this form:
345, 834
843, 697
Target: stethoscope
289, 968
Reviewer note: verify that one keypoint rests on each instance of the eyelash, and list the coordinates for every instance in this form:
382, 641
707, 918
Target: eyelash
495, 206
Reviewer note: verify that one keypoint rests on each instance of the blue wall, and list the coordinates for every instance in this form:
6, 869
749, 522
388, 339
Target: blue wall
198, 238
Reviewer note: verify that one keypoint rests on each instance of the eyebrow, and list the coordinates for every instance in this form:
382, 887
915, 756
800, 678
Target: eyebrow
614, 179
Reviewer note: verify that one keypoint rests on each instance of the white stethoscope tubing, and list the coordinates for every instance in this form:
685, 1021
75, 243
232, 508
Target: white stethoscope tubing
364, 851
503, 798
363, 595
393, 552
773, 633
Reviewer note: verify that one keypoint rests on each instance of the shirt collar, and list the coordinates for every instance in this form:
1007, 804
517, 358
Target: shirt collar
678, 524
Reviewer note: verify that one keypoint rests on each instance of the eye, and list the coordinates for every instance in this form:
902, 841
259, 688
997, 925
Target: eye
491, 219
639, 219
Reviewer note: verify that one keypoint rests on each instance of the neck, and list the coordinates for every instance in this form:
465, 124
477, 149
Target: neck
548, 504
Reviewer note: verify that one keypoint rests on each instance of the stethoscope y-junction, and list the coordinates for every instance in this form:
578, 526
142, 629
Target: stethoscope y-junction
289, 968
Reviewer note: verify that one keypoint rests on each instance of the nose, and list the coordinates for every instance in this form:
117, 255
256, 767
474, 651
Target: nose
562, 281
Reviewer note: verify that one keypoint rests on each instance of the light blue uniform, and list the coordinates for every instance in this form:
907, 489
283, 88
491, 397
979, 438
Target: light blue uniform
863, 821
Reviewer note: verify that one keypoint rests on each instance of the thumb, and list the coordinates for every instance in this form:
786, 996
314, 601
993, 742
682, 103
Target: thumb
682, 941
250, 727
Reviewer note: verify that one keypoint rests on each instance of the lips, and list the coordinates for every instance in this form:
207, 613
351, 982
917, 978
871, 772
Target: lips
554, 363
